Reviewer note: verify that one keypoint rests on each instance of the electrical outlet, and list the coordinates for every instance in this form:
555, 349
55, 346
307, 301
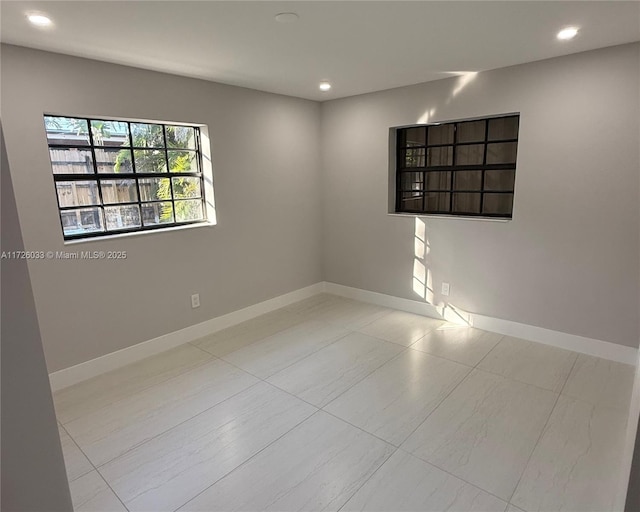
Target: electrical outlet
195, 300
445, 288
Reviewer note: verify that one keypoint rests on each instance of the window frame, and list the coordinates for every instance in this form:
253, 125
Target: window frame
99, 177
401, 169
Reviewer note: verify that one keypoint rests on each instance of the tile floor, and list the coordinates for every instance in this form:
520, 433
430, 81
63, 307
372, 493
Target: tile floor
334, 404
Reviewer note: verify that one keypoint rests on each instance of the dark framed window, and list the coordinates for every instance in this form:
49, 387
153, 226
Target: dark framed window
114, 176
464, 168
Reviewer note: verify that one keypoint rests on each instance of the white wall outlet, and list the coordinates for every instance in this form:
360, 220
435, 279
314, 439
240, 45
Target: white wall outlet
445, 288
195, 300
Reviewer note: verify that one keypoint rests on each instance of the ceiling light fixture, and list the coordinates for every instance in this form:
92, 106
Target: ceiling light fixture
567, 33
287, 17
39, 20
324, 86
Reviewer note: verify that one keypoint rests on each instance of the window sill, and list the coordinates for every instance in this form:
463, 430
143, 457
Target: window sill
452, 217
205, 224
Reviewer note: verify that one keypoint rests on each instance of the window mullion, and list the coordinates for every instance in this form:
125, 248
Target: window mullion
95, 169
166, 156
484, 164
133, 169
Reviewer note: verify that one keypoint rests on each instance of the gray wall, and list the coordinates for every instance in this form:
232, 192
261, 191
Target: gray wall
33, 473
265, 157
568, 260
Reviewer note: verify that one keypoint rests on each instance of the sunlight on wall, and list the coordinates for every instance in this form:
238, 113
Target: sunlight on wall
207, 172
463, 81
428, 115
457, 316
422, 279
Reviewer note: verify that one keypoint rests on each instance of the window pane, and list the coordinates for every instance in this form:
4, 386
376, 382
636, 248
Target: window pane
441, 134
502, 153
150, 160
470, 155
119, 191
110, 133
188, 210
498, 204
467, 180
183, 161
438, 180
152, 189
414, 157
66, 130
183, 137
71, 161
437, 202
411, 202
186, 188
157, 213
122, 217
499, 180
413, 136
503, 128
466, 203
440, 156
113, 160
412, 181
77, 193
82, 220
471, 131
147, 135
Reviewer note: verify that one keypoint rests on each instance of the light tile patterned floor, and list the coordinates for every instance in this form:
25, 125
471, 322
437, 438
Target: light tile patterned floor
334, 404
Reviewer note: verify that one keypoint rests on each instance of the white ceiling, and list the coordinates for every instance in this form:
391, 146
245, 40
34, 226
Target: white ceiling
359, 46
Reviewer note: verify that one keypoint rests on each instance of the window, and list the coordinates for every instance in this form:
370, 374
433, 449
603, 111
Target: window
115, 176
463, 168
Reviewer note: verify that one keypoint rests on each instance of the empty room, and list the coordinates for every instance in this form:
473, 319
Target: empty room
320, 255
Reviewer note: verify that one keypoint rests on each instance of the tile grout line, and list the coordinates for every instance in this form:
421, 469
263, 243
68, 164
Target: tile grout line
542, 432
487, 354
250, 458
175, 426
475, 486
294, 362
475, 368
484, 370
341, 393
366, 480
404, 349
114, 492
315, 406
395, 448
82, 452
530, 343
471, 369
94, 469
317, 409
141, 390
323, 408
437, 406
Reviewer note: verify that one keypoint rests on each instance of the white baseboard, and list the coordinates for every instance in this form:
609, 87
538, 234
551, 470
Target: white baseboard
381, 299
83, 371
589, 346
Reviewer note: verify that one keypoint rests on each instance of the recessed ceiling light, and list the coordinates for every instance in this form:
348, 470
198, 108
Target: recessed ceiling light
324, 86
287, 17
39, 20
568, 33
